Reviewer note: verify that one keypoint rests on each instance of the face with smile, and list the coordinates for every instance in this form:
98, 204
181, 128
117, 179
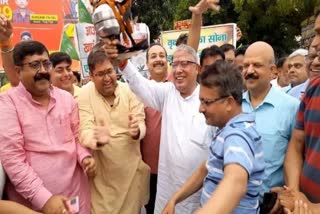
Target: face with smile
185, 70
34, 74
62, 76
157, 62
105, 78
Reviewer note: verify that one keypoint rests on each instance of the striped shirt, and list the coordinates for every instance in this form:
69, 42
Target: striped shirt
308, 119
237, 143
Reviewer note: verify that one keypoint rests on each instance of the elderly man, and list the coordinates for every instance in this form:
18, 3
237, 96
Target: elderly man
121, 183
274, 117
297, 72
158, 68
40, 151
183, 128
299, 90
302, 158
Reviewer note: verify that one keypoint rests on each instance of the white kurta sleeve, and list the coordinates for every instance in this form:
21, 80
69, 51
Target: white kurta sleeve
150, 92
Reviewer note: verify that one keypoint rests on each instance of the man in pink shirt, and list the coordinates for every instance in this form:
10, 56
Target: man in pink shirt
39, 145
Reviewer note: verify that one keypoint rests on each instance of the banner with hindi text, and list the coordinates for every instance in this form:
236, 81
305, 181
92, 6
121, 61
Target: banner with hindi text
210, 35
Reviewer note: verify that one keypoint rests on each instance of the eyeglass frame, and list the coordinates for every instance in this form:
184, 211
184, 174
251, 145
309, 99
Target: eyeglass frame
39, 64
210, 102
188, 62
105, 72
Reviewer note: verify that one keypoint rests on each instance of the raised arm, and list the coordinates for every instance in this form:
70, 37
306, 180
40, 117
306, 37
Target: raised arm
7, 50
196, 20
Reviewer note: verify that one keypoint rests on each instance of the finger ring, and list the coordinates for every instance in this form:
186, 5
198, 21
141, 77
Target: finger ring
64, 211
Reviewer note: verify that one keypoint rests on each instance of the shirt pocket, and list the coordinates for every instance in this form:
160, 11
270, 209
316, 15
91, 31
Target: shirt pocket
64, 129
274, 146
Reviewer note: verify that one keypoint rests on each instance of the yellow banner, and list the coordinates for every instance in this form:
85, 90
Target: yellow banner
210, 35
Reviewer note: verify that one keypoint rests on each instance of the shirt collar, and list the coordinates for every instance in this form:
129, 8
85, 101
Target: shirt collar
271, 97
24, 92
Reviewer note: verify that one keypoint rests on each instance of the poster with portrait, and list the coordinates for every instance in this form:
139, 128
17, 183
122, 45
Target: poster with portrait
40, 20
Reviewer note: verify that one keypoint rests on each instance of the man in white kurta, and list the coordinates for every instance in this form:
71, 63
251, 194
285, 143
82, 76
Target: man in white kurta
182, 147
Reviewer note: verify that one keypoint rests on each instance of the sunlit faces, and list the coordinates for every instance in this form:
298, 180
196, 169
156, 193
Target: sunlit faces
297, 70
157, 62
213, 106
62, 76
185, 70
104, 78
34, 74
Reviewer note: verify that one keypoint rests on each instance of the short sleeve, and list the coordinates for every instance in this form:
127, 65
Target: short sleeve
238, 150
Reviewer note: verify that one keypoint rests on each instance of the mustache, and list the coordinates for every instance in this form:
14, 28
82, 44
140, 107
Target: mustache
41, 76
251, 76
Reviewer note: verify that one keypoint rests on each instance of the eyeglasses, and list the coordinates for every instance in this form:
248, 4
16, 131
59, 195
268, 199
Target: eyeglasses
102, 74
36, 65
210, 102
183, 64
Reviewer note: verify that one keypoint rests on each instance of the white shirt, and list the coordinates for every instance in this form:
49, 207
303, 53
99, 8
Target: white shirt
183, 146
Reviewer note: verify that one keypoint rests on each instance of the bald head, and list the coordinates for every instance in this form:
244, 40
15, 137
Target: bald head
261, 49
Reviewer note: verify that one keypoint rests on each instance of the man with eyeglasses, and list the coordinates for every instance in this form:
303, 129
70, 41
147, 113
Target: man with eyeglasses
302, 159
61, 73
235, 166
274, 110
183, 147
122, 181
39, 146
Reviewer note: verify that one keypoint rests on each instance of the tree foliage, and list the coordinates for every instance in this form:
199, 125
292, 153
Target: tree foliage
274, 21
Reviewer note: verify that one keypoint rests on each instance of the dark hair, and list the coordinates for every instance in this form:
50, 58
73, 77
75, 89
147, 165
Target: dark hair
27, 48
182, 39
227, 47
226, 77
96, 57
241, 50
59, 57
77, 75
211, 51
281, 61
155, 44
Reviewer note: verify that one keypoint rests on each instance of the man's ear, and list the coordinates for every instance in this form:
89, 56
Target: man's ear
17, 69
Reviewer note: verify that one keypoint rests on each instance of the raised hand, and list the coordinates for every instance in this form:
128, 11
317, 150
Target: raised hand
101, 133
134, 129
5, 29
203, 5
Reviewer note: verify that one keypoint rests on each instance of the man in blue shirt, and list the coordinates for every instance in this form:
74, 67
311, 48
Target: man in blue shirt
274, 110
231, 177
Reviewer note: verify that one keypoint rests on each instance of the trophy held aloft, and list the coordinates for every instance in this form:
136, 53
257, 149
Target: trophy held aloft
112, 18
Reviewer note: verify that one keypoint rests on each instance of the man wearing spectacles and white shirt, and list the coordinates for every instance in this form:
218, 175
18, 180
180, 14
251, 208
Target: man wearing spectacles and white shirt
183, 147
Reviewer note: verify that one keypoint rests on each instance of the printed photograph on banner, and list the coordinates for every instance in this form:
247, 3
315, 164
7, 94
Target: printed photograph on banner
35, 20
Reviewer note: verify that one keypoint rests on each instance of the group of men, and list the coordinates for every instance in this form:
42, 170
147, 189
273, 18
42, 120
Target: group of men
212, 146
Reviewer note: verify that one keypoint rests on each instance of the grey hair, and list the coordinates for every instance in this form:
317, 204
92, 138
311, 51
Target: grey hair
298, 52
187, 49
